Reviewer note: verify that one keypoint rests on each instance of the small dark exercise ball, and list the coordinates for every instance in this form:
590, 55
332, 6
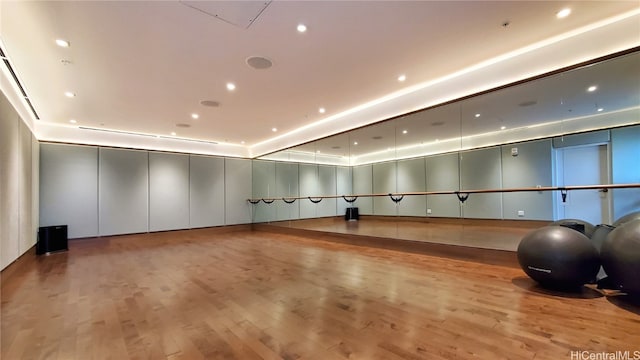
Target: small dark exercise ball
620, 255
558, 257
629, 217
576, 224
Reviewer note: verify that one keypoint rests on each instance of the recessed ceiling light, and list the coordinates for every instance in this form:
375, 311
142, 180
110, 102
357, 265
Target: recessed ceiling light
600, 109
301, 28
274, 129
259, 62
404, 131
355, 143
502, 127
242, 142
321, 110
477, 115
69, 94
73, 121
62, 43
195, 116
592, 88
231, 86
173, 133
402, 77
563, 13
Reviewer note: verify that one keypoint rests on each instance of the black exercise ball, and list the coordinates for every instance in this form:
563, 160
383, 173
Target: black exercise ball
600, 234
629, 217
558, 257
576, 224
620, 255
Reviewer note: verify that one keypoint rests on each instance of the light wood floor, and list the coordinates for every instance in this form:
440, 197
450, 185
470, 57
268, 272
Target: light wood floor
204, 294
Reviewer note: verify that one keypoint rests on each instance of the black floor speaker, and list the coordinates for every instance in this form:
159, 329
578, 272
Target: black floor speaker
52, 239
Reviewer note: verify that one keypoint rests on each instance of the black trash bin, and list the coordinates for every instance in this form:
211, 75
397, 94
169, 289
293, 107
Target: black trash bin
351, 214
52, 239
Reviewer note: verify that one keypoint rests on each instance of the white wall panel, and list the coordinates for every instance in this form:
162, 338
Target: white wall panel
9, 182
168, 191
27, 233
237, 184
482, 169
412, 178
206, 191
123, 191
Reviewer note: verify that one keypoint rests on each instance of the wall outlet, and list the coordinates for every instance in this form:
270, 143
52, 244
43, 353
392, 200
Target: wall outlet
428, 211
520, 213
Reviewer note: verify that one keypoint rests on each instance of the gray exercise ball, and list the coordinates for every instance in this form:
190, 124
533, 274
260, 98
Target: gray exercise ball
600, 234
629, 217
576, 224
558, 257
620, 254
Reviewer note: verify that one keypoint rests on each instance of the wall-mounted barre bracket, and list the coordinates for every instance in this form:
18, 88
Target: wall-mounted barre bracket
289, 201
268, 201
253, 201
349, 200
462, 196
563, 193
396, 199
314, 201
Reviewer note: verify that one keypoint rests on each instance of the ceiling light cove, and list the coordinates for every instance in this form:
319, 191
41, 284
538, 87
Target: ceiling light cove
62, 43
301, 28
231, 86
563, 13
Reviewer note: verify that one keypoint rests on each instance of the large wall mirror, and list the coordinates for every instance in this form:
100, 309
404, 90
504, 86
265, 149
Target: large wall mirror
533, 134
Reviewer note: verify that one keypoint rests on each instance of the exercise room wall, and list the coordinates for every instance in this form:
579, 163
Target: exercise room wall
105, 191
18, 185
625, 165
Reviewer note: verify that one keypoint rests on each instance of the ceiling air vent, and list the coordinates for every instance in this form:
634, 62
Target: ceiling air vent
7, 64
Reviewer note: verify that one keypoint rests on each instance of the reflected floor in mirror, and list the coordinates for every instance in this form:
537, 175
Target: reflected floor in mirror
212, 294
484, 234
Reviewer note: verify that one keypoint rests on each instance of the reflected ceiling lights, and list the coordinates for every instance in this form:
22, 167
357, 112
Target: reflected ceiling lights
402, 77
563, 13
73, 121
195, 116
321, 110
274, 129
231, 86
62, 43
592, 88
301, 28
69, 94
477, 115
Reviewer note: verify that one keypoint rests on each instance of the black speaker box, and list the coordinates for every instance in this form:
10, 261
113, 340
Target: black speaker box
52, 239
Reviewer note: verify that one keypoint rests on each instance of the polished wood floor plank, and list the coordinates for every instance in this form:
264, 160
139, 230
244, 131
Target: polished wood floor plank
205, 294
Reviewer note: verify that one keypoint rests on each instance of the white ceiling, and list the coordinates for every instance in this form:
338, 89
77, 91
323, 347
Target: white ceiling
141, 68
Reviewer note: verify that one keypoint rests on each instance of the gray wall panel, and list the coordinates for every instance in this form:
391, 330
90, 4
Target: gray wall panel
363, 184
625, 162
168, 191
344, 186
530, 168
264, 186
384, 181
327, 187
237, 184
123, 191
481, 169
443, 175
69, 188
286, 186
412, 178
26, 234
206, 191
308, 187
